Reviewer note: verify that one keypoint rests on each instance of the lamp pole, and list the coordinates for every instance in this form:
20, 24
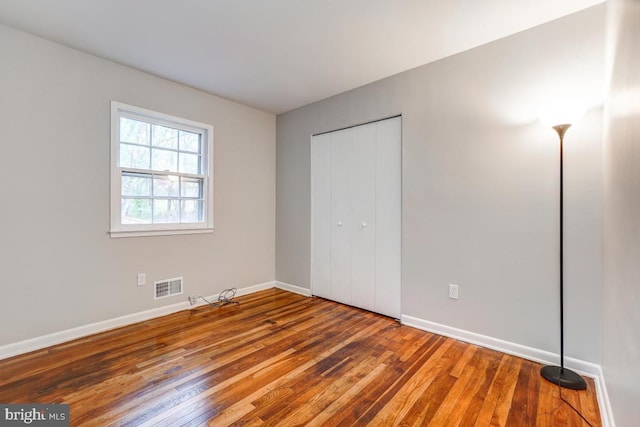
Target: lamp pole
559, 374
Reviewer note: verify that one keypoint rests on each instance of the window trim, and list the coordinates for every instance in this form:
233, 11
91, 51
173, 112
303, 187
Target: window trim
117, 229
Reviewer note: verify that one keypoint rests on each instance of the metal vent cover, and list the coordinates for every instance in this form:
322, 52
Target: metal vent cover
167, 287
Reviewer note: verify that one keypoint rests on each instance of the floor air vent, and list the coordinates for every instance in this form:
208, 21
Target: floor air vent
168, 287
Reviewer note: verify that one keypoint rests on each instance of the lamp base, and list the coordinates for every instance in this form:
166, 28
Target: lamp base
563, 377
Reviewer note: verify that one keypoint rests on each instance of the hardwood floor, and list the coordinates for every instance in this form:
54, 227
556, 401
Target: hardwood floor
281, 359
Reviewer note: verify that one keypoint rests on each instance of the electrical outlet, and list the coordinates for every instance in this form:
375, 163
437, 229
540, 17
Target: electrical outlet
453, 291
142, 279
193, 299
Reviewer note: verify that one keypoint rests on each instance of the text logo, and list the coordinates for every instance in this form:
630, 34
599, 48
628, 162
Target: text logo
28, 414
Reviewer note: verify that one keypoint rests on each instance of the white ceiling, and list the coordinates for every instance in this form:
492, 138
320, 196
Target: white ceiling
277, 55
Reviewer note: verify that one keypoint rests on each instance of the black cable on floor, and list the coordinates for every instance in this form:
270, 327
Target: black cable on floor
569, 403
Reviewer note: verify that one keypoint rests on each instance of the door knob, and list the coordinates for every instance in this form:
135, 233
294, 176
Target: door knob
364, 224
339, 223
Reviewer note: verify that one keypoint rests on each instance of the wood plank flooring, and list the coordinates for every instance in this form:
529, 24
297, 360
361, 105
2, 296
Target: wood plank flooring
281, 359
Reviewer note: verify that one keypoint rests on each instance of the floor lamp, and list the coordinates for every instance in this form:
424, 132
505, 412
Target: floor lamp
560, 119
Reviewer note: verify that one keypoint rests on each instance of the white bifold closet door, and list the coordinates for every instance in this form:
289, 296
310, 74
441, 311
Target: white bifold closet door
356, 216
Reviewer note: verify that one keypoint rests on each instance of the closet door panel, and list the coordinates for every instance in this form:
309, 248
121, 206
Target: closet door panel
341, 222
321, 214
388, 217
363, 203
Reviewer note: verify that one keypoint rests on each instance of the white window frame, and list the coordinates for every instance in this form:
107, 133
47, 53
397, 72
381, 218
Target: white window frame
117, 229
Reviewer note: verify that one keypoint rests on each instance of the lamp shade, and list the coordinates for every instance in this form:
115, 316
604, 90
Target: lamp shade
560, 112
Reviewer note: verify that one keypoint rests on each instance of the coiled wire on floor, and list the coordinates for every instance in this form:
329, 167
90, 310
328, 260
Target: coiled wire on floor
225, 297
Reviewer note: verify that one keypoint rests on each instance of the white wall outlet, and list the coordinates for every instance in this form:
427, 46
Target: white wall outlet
193, 299
453, 291
142, 279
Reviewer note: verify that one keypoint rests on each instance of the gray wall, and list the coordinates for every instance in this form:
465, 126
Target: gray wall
59, 268
480, 185
621, 333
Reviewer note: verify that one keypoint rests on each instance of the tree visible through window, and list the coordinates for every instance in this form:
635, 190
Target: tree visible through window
160, 173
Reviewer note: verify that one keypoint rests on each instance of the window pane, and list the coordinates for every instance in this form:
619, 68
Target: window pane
164, 137
164, 186
136, 211
192, 211
189, 142
132, 156
191, 187
189, 163
134, 131
165, 211
136, 185
163, 160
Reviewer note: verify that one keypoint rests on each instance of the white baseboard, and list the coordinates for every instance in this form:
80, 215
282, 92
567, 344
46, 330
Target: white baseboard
44, 341
251, 289
293, 288
589, 369
606, 411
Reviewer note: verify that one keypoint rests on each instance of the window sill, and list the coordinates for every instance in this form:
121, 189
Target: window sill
145, 233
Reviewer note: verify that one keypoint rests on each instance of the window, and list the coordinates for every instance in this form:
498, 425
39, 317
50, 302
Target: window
161, 173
